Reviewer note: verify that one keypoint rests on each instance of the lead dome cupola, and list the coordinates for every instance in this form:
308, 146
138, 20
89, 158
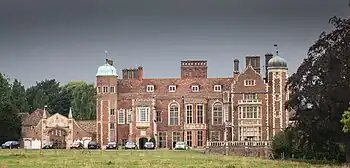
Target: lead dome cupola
107, 69
277, 62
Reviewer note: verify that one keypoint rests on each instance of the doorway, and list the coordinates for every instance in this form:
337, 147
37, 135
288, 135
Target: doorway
58, 137
142, 142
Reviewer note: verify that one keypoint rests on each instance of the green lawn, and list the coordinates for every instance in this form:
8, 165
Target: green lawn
125, 159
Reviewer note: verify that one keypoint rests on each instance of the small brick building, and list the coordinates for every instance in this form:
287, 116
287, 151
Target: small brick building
247, 106
40, 127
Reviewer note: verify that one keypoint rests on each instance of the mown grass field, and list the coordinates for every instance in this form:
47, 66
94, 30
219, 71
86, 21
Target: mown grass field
133, 159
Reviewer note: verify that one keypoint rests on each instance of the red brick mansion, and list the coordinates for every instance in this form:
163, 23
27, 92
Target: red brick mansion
246, 106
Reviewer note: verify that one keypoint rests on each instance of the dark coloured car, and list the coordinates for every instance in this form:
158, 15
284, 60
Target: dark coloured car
77, 145
93, 145
11, 145
111, 145
149, 145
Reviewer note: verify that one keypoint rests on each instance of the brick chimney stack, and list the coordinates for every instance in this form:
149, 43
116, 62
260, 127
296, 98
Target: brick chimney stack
235, 67
140, 73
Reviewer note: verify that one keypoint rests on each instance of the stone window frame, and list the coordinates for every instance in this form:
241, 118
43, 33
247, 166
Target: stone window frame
200, 139
121, 116
112, 89
172, 88
195, 88
105, 89
159, 116
250, 96
128, 116
189, 118
217, 88
174, 116
147, 113
217, 116
150, 88
189, 138
202, 115
249, 82
215, 134
112, 112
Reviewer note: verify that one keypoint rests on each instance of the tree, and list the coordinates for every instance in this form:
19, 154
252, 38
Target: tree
10, 122
43, 93
59, 99
84, 100
18, 96
346, 121
320, 93
62, 103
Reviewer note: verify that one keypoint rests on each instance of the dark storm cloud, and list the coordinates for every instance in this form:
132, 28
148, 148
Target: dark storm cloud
66, 39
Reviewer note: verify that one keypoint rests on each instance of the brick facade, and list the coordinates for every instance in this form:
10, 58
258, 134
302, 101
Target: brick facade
192, 108
40, 127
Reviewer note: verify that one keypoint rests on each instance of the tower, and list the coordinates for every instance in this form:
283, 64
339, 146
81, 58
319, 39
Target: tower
106, 117
277, 78
194, 69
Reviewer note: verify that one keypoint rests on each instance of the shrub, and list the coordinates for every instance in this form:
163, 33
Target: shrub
152, 139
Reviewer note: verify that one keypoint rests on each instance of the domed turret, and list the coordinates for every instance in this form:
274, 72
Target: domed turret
107, 69
277, 62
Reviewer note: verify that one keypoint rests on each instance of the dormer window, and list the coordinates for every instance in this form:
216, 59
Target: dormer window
249, 82
195, 88
172, 88
217, 88
150, 88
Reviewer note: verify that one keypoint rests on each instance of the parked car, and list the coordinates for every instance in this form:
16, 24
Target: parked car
149, 145
49, 145
130, 145
77, 145
10, 145
181, 146
111, 145
93, 145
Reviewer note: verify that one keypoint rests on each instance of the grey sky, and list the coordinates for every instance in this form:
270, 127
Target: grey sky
66, 39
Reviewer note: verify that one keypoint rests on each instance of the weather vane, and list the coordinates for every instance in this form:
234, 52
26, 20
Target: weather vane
275, 45
106, 53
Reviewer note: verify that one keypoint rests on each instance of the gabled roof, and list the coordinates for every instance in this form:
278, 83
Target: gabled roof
34, 118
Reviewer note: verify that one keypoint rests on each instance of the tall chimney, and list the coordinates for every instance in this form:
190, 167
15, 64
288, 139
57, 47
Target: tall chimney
268, 56
236, 67
140, 73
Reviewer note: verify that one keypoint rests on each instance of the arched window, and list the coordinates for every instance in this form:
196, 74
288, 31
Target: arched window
217, 114
174, 114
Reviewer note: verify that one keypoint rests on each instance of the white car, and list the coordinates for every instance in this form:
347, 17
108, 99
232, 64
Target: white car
130, 145
181, 146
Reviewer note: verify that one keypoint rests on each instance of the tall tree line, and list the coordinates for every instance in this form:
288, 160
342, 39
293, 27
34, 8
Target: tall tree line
320, 94
15, 99
59, 98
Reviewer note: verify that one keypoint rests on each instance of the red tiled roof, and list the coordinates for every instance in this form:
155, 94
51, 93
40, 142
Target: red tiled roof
34, 117
87, 125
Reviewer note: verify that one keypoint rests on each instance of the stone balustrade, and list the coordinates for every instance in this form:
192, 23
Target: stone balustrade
254, 101
239, 143
243, 148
